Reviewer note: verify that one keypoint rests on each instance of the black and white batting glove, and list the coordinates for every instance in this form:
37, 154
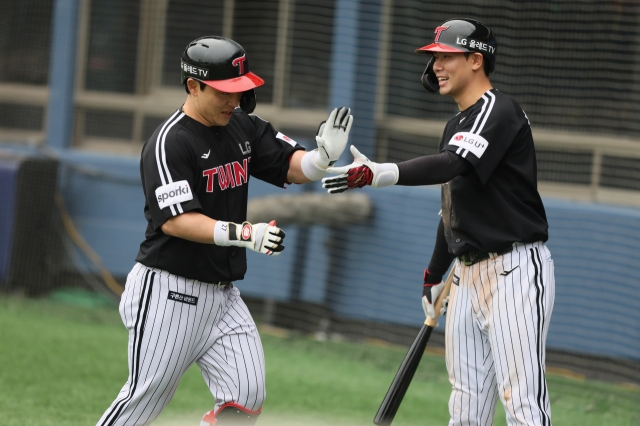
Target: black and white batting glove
430, 292
332, 137
360, 173
261, 237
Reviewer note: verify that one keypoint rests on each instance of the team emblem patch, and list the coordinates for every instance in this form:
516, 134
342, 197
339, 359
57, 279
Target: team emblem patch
456, 280
183, 298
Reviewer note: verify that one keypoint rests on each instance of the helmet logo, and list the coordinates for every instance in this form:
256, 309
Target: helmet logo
438, 31
239, 62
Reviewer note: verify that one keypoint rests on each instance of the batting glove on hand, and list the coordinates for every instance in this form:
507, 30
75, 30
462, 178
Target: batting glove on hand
332, 136
261, 237
360, 173
430, 293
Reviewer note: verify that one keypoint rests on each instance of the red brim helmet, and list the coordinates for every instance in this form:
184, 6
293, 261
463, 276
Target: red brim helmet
234, 85
460, 35
221, 63
438, 47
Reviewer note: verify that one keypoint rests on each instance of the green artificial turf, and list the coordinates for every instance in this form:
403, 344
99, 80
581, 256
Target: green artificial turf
63, 364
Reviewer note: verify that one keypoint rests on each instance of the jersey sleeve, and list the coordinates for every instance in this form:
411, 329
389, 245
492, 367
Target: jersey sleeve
484, 137
271, 153
168, 177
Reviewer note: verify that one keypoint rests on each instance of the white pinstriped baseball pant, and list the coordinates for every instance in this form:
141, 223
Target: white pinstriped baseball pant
496, 329
169, 330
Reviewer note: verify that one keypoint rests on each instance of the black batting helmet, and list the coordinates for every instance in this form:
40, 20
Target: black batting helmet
460, 35
222, 64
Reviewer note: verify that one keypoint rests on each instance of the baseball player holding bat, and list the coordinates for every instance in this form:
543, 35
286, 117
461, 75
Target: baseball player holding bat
180, 304
493, 226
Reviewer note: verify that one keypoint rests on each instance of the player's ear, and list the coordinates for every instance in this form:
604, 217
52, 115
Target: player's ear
192, 86
477, 61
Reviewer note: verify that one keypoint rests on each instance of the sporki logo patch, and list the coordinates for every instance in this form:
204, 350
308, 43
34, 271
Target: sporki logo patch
173, 193
246, 232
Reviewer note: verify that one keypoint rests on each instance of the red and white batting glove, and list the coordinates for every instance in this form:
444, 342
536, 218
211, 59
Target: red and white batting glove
430, 292
360, 173
261, 237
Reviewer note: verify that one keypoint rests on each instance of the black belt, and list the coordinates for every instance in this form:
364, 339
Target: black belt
473, 257
223, 284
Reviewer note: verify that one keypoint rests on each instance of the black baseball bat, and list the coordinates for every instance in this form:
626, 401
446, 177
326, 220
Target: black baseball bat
391, 402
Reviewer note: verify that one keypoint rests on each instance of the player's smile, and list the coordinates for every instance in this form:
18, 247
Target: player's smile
449, 68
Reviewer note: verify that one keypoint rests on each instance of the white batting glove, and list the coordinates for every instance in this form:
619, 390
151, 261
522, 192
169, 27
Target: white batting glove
360, 173
260, 237
430, 293
332, 136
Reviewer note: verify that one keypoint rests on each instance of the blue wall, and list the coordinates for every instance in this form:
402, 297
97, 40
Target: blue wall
597, 308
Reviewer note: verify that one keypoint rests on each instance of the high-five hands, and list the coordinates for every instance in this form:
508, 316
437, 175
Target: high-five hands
360, 173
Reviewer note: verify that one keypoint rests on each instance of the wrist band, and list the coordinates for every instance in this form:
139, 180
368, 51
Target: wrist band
310, 167
221, 233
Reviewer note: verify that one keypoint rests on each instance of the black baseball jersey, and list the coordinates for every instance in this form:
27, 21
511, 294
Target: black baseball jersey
187, 166
496, 203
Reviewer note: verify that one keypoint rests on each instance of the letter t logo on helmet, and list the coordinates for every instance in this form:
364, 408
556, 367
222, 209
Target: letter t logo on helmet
239, 62
438, 31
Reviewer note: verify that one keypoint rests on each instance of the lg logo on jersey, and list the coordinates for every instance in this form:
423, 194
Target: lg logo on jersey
230, 175
247, 146
470, 142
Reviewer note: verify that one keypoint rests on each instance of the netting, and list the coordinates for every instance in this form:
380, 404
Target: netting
573, 66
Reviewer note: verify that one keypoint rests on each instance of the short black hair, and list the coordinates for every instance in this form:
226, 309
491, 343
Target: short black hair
485, 63
186, 87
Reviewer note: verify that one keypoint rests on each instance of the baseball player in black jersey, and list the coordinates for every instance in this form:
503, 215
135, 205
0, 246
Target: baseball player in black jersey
179, 303
493, 225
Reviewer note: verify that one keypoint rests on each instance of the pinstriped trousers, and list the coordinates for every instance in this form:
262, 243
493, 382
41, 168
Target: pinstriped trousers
497, 323
174, 322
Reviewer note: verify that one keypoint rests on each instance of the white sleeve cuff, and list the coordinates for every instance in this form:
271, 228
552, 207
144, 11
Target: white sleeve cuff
310, 167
